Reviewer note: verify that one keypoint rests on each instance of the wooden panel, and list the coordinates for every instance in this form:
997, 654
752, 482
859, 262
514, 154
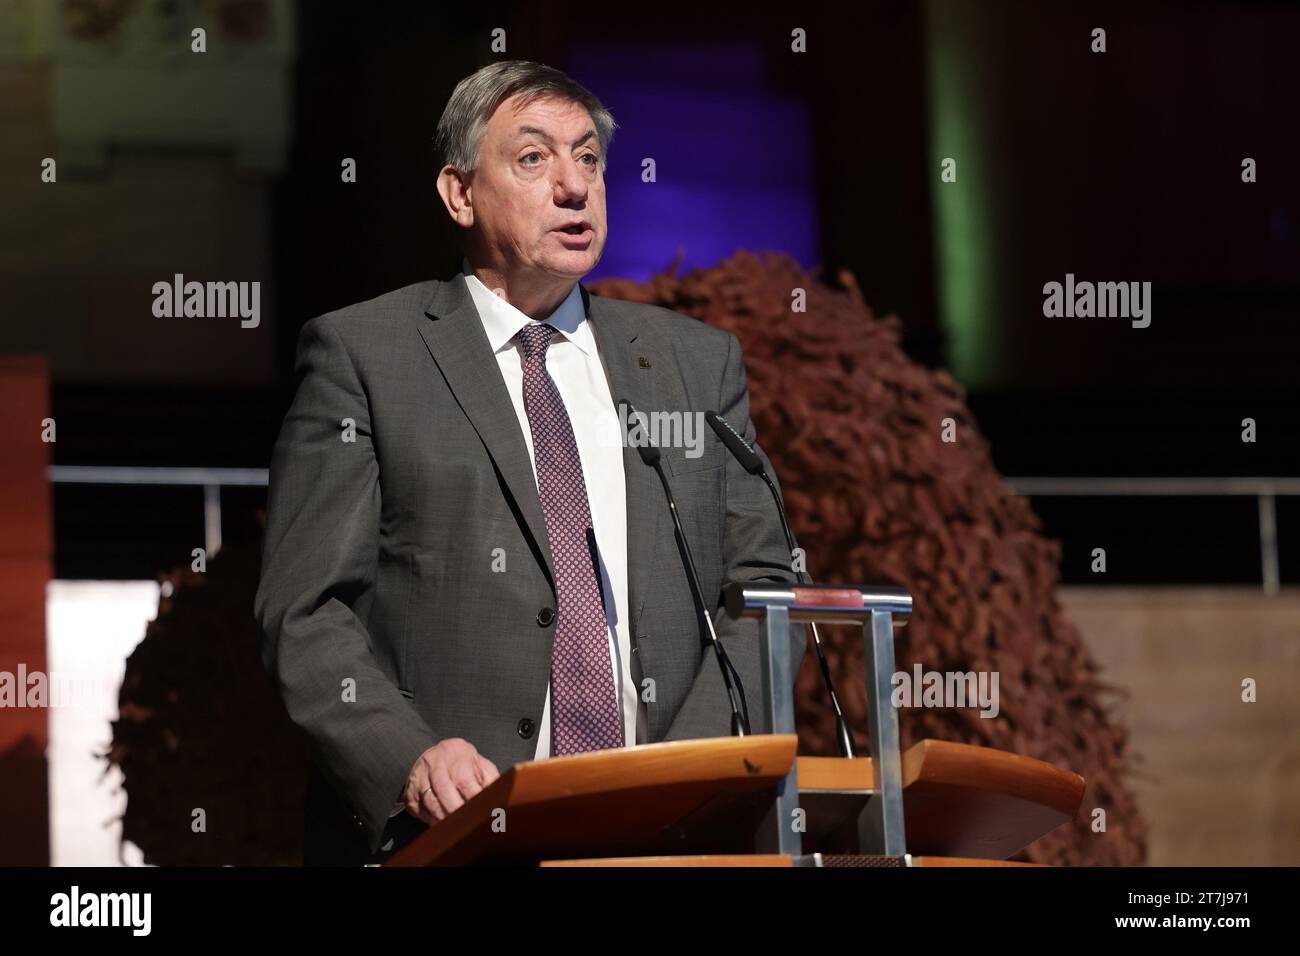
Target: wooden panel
617, 802
687, 797
737, 859
772, 859
24, 572
958, 800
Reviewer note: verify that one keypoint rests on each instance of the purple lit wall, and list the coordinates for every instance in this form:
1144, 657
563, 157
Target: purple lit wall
734, 164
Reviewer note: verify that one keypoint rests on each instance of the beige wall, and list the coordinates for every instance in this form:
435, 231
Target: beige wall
1219, 779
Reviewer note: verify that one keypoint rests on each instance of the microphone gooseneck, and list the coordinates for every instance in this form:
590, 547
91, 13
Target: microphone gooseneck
651, 455
752, 463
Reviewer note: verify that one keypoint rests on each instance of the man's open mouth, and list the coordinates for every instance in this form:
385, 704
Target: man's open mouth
578, 229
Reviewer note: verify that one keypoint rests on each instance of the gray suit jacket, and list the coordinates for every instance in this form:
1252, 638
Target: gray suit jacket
382, 617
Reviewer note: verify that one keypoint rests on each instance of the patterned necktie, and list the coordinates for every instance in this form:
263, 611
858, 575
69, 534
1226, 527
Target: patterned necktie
584, 703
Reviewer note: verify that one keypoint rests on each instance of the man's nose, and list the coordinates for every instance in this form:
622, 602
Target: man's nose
570, 181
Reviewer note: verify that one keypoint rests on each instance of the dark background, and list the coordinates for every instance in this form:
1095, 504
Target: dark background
1122, 166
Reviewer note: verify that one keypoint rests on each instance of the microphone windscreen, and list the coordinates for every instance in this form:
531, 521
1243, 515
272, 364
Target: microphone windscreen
747, 457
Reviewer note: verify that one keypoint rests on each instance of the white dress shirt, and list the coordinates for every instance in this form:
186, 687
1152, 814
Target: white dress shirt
574, 365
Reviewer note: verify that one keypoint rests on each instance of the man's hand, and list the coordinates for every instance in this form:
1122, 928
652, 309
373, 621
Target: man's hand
444, 777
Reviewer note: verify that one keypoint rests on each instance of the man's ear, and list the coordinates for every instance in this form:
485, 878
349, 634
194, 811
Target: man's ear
454, 188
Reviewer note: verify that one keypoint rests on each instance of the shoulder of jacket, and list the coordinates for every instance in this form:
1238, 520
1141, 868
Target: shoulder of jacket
380, 310
675, 325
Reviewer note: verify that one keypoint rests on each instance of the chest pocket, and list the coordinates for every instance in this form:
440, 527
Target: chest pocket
709, 456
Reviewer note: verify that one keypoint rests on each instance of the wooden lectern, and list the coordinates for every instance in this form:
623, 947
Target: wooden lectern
749, 801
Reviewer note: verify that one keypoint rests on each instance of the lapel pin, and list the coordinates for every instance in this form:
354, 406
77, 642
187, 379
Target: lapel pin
642, 361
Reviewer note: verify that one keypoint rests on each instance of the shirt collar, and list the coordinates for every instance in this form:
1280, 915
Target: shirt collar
502, 321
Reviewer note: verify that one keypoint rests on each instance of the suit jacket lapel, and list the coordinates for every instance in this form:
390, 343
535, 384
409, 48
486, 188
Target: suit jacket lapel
456, 340
622, 344
459, 345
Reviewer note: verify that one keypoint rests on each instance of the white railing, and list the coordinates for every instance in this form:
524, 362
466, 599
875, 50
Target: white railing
1264, 490
211, 479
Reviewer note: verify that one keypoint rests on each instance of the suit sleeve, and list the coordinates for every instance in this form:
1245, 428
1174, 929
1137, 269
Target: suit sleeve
754, 549
319, 566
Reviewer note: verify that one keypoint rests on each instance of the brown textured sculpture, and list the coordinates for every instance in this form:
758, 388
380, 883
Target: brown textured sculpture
874, 494
201, 727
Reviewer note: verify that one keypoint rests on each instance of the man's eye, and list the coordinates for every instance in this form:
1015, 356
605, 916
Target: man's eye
527, 155
591, 156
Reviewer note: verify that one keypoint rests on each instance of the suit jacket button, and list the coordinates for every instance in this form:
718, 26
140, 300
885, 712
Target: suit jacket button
358, 823
546, 616
525, 728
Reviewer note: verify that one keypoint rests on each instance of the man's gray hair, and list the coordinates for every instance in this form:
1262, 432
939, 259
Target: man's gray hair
464, 121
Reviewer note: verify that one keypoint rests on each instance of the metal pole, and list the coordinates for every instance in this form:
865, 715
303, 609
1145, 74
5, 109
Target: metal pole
774, 657
1268, 542
881, 827
211, 519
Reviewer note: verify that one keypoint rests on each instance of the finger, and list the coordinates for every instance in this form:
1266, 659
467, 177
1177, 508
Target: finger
465, 776
414, 793
425, 817
487, 770
446, 791
420, 799
430, 810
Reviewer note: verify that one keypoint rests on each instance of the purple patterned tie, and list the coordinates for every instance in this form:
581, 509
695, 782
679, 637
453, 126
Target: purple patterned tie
584, 703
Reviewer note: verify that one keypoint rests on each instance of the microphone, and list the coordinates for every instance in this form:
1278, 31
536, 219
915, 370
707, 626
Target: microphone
651, 455
752, 463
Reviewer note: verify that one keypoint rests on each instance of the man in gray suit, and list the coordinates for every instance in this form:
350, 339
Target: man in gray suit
467, 565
